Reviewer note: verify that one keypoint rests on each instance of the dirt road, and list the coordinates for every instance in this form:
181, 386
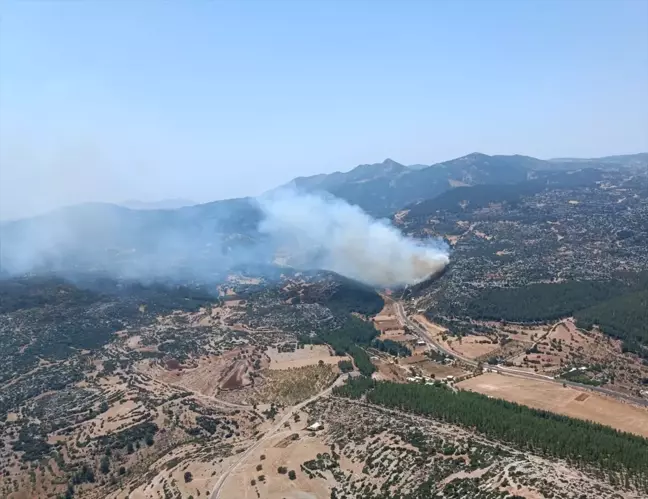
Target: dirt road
221, 481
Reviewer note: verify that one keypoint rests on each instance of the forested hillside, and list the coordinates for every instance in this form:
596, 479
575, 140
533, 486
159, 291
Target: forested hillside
625, 317
383, 188
542, 301
350, 338
619, 455
619, 307
48, 318
352, 296
479, 196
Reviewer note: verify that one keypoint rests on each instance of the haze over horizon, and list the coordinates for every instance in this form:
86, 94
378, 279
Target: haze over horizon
149, 101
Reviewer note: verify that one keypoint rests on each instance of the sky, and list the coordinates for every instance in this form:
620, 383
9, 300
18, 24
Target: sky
205, 100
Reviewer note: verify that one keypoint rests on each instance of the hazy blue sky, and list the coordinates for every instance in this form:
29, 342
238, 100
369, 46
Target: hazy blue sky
103, 100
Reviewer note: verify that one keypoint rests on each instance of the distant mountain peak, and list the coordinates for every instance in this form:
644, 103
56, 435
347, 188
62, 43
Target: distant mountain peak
475, 155
364, 172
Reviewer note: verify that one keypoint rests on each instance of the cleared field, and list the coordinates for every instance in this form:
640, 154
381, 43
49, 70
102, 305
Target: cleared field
473, 346
387, 324
547, 362
204, 473
309, 355
280, 450
389, 371
120, 415
554, 397
398, 335
387, 320
566, 331
210, 374
430, 368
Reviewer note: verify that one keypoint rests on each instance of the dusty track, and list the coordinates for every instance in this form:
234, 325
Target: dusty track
221, 481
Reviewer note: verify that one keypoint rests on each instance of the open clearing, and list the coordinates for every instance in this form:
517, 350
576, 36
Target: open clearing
205, 475
387, 320
309, 355
554, 397
117, 416
434, 369
280, 450
473, 346
205, 378
389, 370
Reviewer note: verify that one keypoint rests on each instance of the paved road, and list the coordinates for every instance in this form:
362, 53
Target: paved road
425, 336
271, 432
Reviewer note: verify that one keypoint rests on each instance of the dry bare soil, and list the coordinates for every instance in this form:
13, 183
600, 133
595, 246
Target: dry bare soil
554, 397
309, 355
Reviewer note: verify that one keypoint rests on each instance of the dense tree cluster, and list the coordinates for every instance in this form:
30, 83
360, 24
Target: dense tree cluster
355, 388
580, 377
540, 432
340, 294
541, 302
210, 425
31, 443
345, 366
143, 431
392, 347
32, 292
351, 296
353, 331
84, 475
362, 360
349, 338
623, 317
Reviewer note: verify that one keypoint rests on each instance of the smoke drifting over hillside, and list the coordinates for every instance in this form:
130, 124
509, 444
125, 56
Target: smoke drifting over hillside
202, 243
330, 234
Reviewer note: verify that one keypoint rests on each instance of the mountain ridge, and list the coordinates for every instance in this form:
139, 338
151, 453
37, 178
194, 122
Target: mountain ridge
383, 188
163, 204
210, 237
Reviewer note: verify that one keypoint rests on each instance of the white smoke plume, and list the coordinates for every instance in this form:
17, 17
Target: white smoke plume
205, 242
330, 234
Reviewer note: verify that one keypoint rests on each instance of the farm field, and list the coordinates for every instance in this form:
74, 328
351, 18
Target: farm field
309, 355
562, 400
472, 347
258, 475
